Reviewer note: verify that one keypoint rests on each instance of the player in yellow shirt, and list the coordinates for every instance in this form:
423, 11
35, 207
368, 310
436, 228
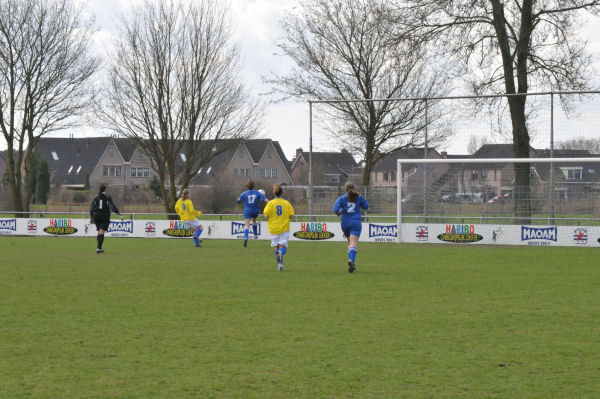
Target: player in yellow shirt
278, 213
187, 214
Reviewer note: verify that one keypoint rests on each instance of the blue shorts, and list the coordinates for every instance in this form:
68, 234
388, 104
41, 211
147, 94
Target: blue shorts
251, 213
353, 228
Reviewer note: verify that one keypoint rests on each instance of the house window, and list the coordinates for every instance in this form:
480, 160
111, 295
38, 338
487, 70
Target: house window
269, 153
484, 174
262, 173
182, 155
235, 173
208, 170
78, 170
241, 154
133, 171
54, 155
268, 173
473, 174
574, 174
334, 179
105, 171
495, 175
146, 172
273, 173
112, 171
110, 152
118, 171
70, 170
247, 172
140, 172
385, 176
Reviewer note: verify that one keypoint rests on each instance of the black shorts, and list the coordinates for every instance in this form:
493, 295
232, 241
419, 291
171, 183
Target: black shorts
102, 222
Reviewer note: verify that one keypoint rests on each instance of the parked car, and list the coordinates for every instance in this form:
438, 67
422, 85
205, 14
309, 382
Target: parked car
501, 199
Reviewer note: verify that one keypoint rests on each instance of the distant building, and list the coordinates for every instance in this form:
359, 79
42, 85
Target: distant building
122, 162
329, 168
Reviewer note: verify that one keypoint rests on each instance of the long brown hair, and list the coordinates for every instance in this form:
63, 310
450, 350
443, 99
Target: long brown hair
277, 190
352, 194
184, 192
102, 189
250, 184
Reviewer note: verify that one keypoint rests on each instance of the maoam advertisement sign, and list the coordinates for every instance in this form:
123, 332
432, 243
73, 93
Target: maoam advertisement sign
8, 226
313, 231
237, 230
460, 233
120, 228
539, 236
383, 232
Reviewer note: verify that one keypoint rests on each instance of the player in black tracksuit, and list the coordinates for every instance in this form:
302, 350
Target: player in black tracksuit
100, 213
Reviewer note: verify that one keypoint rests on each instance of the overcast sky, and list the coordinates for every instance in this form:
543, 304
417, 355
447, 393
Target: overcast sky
256, 27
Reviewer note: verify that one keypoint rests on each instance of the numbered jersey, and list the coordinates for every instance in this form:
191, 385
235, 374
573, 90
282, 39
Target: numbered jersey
278, 211
350, 211
251, 199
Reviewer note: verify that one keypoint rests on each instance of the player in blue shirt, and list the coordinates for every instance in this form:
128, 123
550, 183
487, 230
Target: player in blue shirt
348, 206
251, 198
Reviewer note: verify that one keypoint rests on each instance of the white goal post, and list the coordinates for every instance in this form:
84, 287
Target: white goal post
405, 175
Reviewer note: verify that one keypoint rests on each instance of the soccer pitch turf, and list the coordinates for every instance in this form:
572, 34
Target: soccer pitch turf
161, 319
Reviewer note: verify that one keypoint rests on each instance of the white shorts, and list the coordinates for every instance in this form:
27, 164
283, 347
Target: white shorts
280, 239
191, 224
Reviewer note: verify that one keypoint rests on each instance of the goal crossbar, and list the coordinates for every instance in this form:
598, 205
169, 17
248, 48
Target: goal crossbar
432, 161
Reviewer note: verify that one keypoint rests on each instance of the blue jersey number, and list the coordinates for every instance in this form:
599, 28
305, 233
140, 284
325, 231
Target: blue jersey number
251, 199
351, 206
279, 210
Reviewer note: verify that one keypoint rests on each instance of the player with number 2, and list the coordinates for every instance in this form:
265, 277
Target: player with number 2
348, 206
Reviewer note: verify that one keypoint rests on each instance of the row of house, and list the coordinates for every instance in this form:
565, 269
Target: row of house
122, 162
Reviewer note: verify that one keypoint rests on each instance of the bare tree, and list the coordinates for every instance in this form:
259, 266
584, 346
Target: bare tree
343, 50
580, 143
175, 88
45, 71
475, 143
509, 47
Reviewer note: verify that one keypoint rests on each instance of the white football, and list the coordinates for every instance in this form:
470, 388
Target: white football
261, 191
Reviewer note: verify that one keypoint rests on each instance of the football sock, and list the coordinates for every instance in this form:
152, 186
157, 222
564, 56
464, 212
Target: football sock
254, 229
195, 240
246, 231
198, 232
100, 240
283, 250
352, 253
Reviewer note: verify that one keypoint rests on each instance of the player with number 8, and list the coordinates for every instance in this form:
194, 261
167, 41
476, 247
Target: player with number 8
278, 213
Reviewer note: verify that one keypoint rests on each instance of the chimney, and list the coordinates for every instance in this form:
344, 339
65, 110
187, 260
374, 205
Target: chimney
444, 154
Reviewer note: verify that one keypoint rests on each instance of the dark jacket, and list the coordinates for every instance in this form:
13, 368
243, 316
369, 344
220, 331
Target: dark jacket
102, 205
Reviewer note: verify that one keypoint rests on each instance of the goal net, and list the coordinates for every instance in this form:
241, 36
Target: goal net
512, 201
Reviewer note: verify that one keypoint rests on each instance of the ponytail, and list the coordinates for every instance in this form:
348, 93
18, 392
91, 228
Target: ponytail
277, 190
184, 192
352, 193
250, 184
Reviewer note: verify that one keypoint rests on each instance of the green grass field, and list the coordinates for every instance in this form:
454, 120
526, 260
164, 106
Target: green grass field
162, 319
